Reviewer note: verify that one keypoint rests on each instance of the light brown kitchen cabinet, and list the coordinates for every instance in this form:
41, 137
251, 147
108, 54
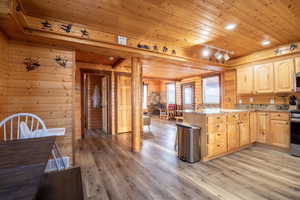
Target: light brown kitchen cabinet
217, 135
244, 129
297, 62
264, 78
253, 129
233, 135
283, 75
280, 131
262, 122
245, 80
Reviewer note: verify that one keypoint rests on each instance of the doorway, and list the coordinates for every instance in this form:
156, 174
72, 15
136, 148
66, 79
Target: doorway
96, 101
188, 96
123, 102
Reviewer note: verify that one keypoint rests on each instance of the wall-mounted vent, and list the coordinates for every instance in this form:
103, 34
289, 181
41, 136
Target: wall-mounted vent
51, 165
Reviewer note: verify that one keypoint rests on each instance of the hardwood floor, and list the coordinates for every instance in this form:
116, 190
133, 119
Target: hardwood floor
111, 171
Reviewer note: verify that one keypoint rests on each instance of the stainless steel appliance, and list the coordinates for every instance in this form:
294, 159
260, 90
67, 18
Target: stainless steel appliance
297, 82
295, 132
188, 142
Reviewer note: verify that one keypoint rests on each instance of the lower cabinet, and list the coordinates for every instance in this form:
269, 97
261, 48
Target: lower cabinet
280, 133
262, 129
244, 130
233, 138
253, 127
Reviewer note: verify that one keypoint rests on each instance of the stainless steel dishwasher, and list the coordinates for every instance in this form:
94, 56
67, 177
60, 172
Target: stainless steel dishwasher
188, 142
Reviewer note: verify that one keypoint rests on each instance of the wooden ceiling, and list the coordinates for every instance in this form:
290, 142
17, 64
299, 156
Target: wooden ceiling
184, 23
171, 71
90, 57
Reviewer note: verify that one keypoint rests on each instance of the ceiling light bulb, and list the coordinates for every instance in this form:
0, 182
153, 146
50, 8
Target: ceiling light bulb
226, 56
110, 58
206, 52
265, 42
218, 55
230, 26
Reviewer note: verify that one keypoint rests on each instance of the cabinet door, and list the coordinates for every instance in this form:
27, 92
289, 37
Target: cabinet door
245, 80
262, 121
280, 133
297, 62
253, 129
244, 133
264, 78
284, 75
233, 139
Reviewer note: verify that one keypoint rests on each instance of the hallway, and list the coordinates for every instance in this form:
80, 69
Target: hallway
111, 171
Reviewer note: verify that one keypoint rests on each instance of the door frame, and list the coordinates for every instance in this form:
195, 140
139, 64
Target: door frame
116, 96
182, 94
83, 94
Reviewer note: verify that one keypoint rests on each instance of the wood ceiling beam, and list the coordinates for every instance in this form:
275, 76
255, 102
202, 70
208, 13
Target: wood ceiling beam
264, 55
118, 62
32, 27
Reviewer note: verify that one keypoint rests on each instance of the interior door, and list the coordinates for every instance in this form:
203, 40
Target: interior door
123, 103
188, 96
104, 104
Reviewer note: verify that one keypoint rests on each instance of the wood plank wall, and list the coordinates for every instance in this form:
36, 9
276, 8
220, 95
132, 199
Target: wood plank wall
77, 111
153, 86
3, 75
94, 114
46, 91
198, 89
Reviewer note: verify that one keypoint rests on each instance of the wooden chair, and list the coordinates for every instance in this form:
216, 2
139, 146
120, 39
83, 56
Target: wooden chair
179, 114
27, 125
163, 112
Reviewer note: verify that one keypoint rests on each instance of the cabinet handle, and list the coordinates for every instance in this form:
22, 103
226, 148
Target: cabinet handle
218, 145
218, 134
217, 126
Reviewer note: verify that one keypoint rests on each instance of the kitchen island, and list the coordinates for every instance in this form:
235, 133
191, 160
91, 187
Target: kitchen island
223, 131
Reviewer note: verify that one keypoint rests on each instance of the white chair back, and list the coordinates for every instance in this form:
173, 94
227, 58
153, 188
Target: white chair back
10, 126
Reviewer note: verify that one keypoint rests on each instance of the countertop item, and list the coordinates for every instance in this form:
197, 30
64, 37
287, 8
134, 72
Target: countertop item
223, 111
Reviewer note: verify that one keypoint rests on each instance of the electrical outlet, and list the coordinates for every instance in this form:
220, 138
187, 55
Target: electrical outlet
251, 99
122, 40
272, 101
240, 101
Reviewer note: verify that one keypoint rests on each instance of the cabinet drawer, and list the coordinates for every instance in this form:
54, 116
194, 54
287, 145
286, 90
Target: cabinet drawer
244, 116
216, 119
279, 116
216, 128
232, 118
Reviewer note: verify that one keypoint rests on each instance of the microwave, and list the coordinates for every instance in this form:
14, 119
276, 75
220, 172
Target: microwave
297, 82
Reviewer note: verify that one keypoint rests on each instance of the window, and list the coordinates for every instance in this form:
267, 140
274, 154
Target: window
171, 93
145, 96
187, 95
211, 90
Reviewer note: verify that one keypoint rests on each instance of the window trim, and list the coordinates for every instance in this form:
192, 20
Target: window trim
167, 92
147, 85
203, 97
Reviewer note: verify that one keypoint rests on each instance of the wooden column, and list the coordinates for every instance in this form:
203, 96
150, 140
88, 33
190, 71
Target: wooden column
136, 99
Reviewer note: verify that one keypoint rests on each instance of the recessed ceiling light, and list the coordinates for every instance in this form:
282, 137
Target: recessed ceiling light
111, 58
230, 26
265, 42
206, 52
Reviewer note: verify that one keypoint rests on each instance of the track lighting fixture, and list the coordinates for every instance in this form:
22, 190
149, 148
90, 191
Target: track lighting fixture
218, 55
226, 56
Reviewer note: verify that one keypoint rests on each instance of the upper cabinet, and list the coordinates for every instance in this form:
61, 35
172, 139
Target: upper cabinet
245, 80
283, 72
297, 61
264, 78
